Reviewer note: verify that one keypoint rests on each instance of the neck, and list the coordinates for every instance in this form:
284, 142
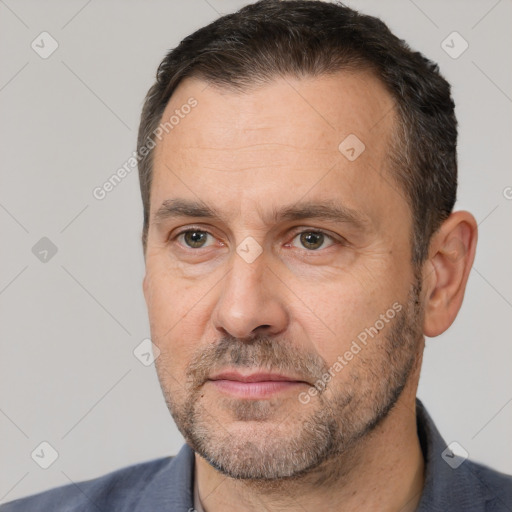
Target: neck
382, 471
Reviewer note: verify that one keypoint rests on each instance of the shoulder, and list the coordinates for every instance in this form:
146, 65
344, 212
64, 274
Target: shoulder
118, 490
454, 482
496, 486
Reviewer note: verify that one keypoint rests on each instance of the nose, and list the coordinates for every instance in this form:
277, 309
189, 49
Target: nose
250, 301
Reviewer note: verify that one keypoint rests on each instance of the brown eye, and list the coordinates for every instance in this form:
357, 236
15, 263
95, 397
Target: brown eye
194, 238
312, 240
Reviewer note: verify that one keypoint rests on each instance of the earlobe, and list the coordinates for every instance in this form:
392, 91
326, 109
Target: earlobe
452, 251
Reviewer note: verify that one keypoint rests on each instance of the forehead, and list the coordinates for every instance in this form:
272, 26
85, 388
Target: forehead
284, 137
314, 111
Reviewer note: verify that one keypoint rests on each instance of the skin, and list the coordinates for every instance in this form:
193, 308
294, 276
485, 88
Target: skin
246, 155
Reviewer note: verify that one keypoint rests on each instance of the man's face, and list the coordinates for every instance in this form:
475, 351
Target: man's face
297, 266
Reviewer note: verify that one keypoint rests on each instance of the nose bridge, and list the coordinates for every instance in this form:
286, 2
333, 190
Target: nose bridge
249, 299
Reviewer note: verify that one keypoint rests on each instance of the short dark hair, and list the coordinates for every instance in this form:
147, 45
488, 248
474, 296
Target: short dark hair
308, 38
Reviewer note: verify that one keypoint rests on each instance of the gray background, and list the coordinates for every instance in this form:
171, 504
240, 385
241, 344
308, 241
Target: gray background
69, 325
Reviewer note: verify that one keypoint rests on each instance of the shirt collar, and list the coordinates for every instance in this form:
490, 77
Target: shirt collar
451, 482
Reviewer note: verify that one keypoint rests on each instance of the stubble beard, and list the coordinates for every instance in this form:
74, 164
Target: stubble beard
257, 444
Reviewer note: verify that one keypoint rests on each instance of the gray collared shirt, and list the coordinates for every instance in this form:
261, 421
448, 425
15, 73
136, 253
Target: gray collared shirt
167, 484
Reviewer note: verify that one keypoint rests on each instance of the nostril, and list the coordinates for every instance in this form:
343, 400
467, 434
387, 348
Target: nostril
265, 327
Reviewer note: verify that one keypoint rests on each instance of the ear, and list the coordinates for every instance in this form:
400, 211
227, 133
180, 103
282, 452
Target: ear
445, 274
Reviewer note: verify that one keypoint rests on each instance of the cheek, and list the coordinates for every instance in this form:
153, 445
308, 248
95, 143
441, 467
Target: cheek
177, 311
169, 297
344, 309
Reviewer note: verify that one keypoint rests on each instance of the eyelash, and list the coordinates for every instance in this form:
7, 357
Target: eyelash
311, 230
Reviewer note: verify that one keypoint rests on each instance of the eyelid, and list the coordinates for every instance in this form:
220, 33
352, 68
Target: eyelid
306, 229
302, 229
186, 229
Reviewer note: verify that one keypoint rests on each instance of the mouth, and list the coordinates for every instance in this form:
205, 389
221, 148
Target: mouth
254, 385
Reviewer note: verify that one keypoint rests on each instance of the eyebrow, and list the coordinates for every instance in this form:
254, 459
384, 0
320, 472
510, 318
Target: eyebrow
328, 210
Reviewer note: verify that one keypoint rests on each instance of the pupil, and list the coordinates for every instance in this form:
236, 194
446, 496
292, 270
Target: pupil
195, 238
312, 240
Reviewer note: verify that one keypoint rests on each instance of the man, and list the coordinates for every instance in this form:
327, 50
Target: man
298, 174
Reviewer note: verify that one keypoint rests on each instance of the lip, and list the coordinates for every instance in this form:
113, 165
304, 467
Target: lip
254, 385
254, 377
